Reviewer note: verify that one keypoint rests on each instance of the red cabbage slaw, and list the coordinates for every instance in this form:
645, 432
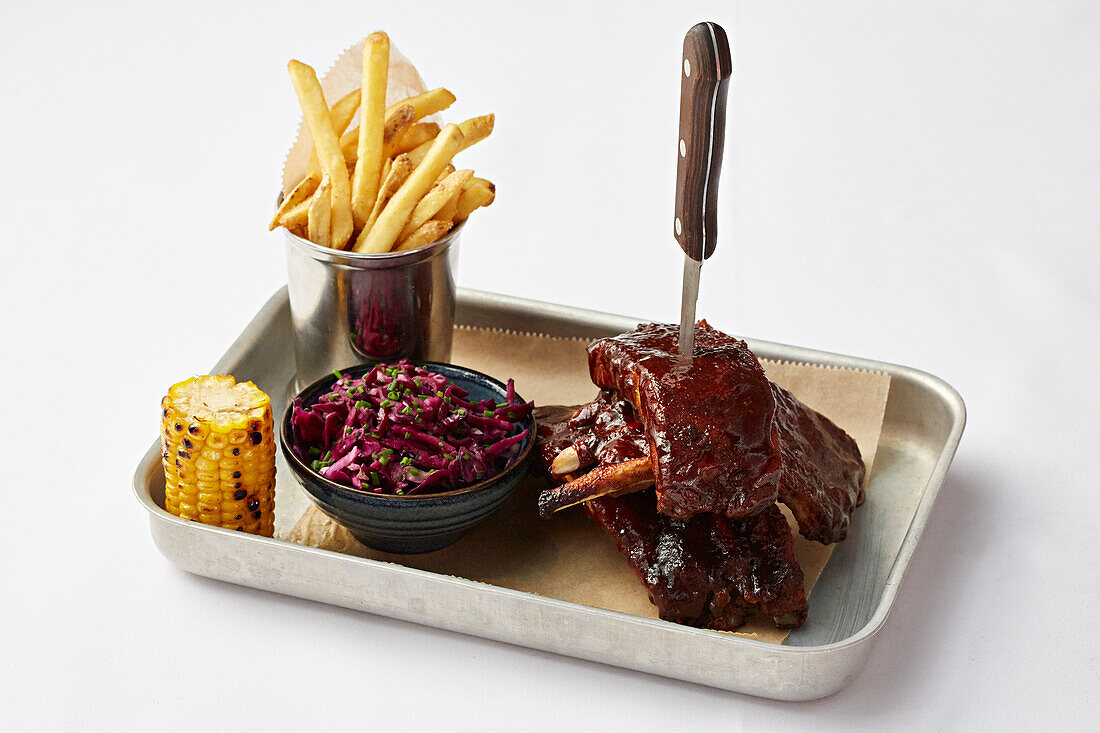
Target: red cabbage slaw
401, 429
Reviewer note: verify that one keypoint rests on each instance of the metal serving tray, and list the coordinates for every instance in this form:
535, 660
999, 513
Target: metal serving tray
923, 423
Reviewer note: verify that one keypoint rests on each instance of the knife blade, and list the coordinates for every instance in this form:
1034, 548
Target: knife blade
704, 84
688, 297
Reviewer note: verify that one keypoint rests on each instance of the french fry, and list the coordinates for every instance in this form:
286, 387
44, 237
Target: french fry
386, 165
372, 126
447, 213
298, 217
428, 103
342, 113
448, 170
399, 171
385, 230
474, 129
477, 129
443, 192
312, 101
320, 214
388, 183
396, 124
429, 232
416, 135
477, 193
300, 230
312, 181
297, 195
349, 145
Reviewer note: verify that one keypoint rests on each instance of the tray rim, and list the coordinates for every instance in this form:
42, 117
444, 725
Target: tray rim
933, 483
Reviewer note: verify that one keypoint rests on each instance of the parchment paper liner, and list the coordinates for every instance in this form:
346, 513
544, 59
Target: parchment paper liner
568, 556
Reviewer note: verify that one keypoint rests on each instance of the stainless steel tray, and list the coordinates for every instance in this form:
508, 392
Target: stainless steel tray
924, 421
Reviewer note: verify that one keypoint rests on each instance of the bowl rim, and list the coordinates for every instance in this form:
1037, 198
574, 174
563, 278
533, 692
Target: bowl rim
299, 466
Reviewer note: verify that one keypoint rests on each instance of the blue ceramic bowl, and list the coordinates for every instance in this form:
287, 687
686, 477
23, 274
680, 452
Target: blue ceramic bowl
416, 523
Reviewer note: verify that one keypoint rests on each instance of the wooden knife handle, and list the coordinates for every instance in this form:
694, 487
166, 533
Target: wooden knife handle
704, 81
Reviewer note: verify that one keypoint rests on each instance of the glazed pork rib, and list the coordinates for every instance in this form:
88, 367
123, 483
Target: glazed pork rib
821, 482
710, 571
709, 424
822, 479
722, 444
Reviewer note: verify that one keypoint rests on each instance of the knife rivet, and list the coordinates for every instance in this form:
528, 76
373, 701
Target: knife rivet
679, 227
683, 148
687, 68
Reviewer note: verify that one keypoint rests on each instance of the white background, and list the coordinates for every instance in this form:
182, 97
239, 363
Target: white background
911, 182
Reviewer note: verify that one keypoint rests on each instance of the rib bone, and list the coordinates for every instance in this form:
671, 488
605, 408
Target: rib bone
614, 479
566, 462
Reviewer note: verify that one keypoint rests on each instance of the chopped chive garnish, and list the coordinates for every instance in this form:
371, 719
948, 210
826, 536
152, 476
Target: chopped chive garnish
361, 403
338, 374
406, 461
487, 413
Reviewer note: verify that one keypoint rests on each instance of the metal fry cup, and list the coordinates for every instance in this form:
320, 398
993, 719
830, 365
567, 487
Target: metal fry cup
351, 308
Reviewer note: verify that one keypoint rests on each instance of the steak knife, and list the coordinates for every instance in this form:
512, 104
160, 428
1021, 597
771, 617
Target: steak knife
704, 83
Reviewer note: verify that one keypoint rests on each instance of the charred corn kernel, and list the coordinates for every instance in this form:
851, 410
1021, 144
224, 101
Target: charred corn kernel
218, 451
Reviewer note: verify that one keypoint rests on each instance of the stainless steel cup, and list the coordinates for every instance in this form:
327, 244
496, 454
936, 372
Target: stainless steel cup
353, 308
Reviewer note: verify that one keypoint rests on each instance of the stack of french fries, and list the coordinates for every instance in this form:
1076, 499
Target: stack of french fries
389, 184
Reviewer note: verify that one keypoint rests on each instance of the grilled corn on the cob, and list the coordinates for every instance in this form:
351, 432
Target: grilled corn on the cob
218, 440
